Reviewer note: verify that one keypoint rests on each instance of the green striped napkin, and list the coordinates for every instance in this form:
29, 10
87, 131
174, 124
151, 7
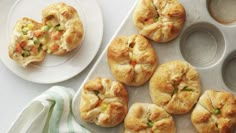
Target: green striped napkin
48, 113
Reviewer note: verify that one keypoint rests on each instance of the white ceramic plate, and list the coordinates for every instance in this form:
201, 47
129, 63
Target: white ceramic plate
55, 68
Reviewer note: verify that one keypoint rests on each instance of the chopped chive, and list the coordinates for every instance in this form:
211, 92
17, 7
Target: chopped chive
149, 123
187, 89
156, 19
40, 47
175, 90
96, 92
57, 27
217, 111
46, 28
36, 41
26, 53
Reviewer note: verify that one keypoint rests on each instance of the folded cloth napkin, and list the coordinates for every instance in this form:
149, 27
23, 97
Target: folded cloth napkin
48, 113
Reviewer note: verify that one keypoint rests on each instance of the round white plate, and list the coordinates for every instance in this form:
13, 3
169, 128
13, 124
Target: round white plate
55, 68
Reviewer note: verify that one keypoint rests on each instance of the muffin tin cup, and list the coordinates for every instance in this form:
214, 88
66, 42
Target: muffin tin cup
222, 11
205, 43
202, 44
229, 72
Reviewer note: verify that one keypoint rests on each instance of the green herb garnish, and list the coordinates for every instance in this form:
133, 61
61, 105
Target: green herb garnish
149, 123
187, 89
217, 111
26, 53
46, 28
36, 41
96, 92
40, 47
57, 27
156, 19
175, 90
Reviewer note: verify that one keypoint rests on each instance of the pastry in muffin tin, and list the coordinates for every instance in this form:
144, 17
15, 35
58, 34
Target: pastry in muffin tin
159, 20
103, 102
132, 59
175, 86
215, 112
148, 118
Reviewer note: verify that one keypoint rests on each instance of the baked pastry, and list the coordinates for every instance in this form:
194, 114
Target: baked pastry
103, 102
132, 59
159, 20
64, 27
215, 112
26, 45
175, 86
148, 118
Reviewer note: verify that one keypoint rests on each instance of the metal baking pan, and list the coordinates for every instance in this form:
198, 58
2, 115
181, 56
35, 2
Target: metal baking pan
206, 42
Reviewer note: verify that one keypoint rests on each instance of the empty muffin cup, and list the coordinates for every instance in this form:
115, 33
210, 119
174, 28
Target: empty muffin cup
222, 11
202, 44
229, 71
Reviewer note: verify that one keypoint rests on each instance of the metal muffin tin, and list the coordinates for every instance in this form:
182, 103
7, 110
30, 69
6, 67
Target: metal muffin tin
210, 46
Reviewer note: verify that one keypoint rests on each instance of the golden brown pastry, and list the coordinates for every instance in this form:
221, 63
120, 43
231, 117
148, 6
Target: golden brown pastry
148, 118
159, 20
215, 112
64, 27
26, 45
175, 86
132, 59
103, 102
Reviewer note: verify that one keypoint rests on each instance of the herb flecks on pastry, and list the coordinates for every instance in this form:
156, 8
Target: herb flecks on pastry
159, 20
148, 118
175, 86
132, 59
215, 112
103, 102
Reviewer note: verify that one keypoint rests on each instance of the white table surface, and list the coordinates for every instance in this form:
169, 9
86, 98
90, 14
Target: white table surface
15, 92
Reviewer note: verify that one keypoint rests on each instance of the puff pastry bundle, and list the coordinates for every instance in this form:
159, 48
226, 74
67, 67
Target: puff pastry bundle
175, 86
64, 27
159, 20
103, 102
148, 118
60, 32
132, 59
215, 112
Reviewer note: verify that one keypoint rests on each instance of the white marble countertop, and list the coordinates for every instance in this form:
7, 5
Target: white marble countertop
15, 92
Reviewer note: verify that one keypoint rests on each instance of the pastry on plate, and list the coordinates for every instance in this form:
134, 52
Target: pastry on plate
159, 20
215, 112
26, 45
64, 27
148, 118
103, 102
175, 86
132, 59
